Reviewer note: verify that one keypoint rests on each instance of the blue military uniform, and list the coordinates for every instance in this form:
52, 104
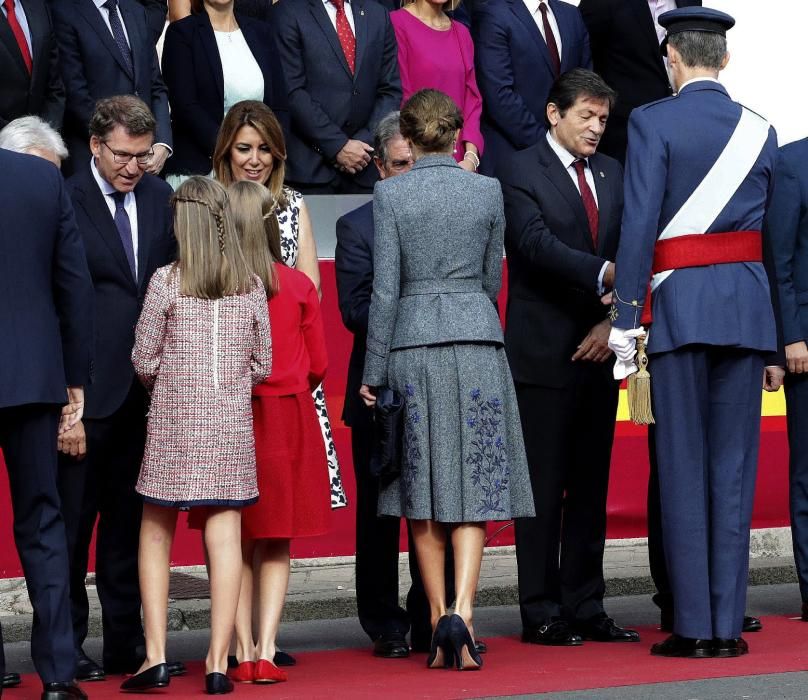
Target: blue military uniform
712, 327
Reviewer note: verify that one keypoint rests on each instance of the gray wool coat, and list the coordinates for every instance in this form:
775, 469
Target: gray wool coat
437, 261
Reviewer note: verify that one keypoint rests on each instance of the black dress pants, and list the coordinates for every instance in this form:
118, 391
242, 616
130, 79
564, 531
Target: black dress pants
377, 549
102, 487
656, 548
568, 439
28, 441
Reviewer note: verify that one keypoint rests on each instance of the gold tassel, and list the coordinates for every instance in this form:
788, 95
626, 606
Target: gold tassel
639, 389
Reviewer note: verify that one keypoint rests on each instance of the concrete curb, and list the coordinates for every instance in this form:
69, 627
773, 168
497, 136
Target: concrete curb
322, 589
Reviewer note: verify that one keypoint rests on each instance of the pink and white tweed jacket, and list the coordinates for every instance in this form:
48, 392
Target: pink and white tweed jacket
200, 359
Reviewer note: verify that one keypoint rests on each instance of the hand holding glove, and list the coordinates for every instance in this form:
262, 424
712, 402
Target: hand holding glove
623, 344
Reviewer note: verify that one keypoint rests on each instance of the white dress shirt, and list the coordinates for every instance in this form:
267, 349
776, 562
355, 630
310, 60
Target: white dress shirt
533, 9
657, 7
567, 160
105, 16
332, 14
19, 13
129, 204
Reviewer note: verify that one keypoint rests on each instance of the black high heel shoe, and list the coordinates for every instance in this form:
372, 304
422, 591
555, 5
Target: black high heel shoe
465, 655
218, 684
438, 656
154, 677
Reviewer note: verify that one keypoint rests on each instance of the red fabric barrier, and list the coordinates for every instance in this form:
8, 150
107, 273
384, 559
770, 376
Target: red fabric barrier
627, 488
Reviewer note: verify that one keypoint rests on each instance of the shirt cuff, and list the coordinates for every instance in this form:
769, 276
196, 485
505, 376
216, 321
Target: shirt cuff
167, 147
601, 289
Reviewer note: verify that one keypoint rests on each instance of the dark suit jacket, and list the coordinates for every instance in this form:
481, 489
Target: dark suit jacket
514, 72
46, 316
92, 68
156, 15
328, 105
41, 92
193, 74
552, 265
625, 52
118, 299
353, 260
787, 228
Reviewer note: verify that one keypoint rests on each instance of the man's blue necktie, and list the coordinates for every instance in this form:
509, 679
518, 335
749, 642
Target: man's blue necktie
124, 227
119, 35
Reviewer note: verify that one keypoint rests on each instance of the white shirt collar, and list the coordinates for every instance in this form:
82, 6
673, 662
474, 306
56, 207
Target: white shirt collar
566, 158
325, 2
106, 189
696, 80
100, 4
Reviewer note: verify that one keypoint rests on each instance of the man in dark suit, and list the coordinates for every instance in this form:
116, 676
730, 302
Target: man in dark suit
156, 16
29, 63
106, 48
563, 204
46, 321
340, 62
787, 227
124, 218
625, 38
521, 47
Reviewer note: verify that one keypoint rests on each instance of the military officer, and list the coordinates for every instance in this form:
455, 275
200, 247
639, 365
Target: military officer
699, 168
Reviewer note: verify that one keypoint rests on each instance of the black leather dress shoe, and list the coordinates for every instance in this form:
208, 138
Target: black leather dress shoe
602, 628
728, 648
62, 691
684, 647
554, 633
11, 680
391, 645
87, 669
128, 666
218, 684
752, 624
176, 668
154, 677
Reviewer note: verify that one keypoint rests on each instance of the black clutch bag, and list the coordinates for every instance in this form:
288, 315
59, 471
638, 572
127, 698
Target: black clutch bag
388, 434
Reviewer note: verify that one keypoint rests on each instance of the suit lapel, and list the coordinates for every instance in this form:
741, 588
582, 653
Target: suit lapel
320, 15
205, 31
361, 32
144, 229
561, 180
88, 10
603, 188
7, 38
91, 200
518, 8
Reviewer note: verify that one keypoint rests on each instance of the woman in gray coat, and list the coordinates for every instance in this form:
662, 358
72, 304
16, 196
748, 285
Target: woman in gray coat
435, 337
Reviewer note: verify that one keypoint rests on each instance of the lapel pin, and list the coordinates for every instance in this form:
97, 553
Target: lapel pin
362, 12
601, 174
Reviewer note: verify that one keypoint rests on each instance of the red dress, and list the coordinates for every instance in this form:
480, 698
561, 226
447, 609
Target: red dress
293, 484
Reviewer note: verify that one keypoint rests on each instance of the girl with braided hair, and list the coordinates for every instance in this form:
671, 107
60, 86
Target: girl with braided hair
201, 344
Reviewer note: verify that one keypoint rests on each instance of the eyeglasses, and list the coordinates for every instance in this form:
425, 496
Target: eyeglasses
123, 158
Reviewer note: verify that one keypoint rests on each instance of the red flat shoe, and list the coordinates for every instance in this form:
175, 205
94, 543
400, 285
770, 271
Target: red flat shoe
244, 672
267, 672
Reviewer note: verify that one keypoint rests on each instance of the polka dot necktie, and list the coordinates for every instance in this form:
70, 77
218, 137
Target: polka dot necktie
345, 34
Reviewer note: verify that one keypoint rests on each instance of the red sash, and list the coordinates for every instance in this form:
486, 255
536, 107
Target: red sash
701, 249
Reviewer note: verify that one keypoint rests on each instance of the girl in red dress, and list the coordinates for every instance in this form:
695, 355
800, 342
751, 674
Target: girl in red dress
294, 498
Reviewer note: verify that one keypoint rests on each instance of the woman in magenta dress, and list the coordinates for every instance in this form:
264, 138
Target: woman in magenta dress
292, 467
437, 52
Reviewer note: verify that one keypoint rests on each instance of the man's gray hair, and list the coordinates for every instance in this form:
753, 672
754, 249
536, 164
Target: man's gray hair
32, 133
700, 49
387, 129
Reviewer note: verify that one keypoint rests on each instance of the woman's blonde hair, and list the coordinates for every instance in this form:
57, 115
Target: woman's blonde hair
253, 212
263, 120
210, 261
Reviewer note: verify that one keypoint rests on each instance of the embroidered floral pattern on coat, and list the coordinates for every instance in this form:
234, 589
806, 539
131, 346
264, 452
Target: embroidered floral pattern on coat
488, 458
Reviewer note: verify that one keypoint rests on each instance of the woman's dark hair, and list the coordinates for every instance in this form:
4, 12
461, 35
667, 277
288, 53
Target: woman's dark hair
430, 120
576, 83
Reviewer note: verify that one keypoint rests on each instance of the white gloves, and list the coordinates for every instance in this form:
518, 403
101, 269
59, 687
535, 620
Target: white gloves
623, 344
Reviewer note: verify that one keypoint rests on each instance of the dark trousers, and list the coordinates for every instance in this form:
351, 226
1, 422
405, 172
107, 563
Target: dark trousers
377, 549
796, 388
707, 409
568, 439
102, 487
656, 548
28, 441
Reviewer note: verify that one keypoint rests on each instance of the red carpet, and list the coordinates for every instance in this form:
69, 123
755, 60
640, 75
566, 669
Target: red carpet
510, 668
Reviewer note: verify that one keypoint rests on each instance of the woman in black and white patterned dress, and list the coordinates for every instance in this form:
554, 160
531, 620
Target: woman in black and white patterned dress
251, 146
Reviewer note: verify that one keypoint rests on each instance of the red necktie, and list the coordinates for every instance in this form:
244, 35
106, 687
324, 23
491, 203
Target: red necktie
549, 37
590, 205
345, 34
19, 35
